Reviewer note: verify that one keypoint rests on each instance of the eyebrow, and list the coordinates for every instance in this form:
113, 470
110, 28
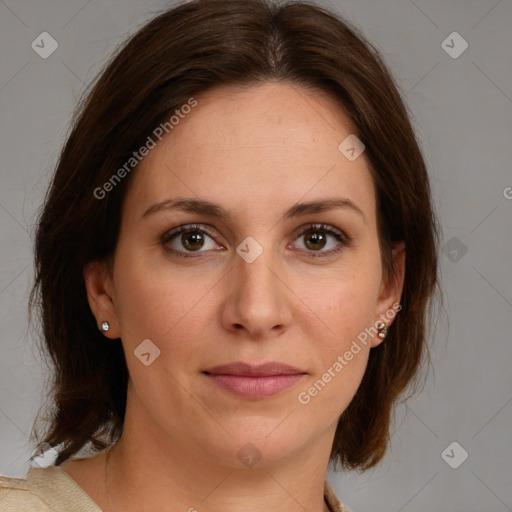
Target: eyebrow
203, 207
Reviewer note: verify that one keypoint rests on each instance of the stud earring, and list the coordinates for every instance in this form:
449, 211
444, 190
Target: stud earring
383, 330
105, 326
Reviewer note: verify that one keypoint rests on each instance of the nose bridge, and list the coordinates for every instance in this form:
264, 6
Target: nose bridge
256, 280
258, 297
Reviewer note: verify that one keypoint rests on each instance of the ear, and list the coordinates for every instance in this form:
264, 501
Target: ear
391, 291
99, 286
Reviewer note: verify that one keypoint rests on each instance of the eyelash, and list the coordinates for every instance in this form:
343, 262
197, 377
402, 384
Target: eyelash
338, 235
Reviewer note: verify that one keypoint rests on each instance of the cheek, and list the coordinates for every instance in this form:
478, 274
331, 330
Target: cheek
340, 357
347, 316
346, 307
346, 303
162, 304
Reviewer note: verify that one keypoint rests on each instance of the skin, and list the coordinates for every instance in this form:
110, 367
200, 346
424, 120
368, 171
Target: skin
256, 151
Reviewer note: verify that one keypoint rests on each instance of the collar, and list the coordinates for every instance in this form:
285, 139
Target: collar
56, 488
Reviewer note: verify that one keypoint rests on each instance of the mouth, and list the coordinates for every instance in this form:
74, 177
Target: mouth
255, 382
251, 370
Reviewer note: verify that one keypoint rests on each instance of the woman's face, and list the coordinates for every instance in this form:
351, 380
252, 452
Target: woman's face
264, 272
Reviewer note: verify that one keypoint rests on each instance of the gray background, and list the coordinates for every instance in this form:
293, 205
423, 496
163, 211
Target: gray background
462, 111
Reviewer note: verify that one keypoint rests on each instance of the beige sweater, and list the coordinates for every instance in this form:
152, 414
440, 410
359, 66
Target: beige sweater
51, 489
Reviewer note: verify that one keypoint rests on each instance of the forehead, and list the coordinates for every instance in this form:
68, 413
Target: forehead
265, 146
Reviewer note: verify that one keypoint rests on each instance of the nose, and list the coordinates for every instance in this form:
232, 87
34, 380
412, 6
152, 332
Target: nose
258, 303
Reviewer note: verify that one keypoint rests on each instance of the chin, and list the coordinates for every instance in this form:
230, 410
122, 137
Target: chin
257, 442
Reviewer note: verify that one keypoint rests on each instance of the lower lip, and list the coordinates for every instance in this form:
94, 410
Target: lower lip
255, 387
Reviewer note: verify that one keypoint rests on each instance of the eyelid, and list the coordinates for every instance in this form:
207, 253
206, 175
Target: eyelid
174, 232
186, 227
312, 226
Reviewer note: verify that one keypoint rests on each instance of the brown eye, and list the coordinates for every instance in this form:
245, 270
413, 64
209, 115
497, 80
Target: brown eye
315, 240
192, 240
320, 236
188, 239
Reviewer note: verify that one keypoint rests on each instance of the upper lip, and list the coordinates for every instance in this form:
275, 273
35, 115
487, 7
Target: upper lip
266, 369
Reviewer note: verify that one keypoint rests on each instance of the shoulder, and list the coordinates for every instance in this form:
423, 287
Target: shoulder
16, 495
46, 489
332, 499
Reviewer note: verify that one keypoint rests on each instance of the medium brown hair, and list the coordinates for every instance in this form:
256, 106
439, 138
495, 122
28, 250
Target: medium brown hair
179, 54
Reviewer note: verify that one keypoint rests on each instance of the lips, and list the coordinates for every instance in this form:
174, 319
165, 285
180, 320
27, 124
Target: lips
255, 382
245, 369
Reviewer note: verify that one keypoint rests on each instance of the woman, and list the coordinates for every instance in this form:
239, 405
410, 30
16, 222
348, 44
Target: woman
235, 262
